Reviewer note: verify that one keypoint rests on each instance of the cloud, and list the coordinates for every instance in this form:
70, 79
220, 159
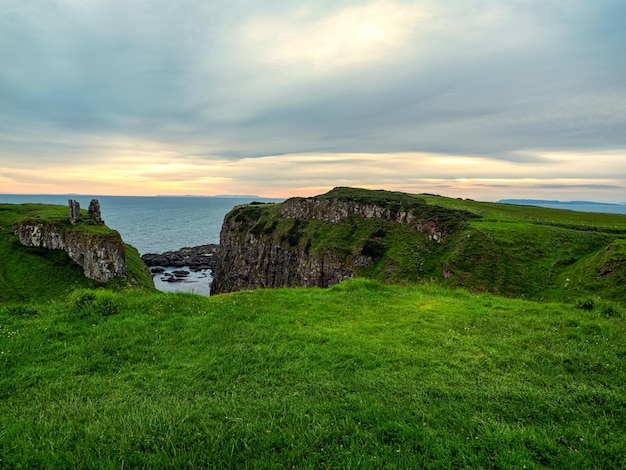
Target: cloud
313, 43
275, 96
150, 170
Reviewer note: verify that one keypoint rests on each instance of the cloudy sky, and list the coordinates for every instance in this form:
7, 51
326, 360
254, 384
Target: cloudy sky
485, 99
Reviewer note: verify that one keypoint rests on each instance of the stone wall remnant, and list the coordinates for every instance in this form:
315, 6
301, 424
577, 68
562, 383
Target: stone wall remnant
94, 211
74, 207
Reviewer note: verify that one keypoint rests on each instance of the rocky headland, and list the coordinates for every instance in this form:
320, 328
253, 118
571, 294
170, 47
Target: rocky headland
99, 250
323, 240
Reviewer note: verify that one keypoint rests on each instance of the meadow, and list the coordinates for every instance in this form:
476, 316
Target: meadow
361, 375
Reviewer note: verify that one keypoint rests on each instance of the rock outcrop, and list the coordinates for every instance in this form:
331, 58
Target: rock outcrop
74, 211
94, 211
253, 262
336, 210
319, 241
101, 255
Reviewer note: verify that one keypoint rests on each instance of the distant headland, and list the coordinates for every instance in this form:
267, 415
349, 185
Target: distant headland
582, 206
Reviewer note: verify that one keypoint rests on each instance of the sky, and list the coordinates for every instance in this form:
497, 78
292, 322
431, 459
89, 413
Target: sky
481, 99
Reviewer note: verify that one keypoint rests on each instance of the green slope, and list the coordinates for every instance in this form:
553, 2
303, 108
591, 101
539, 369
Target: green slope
365, 374
361, 375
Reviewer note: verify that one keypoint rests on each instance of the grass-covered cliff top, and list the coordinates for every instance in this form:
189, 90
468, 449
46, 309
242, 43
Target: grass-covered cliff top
39, 275
467, 209
485, 210
52, 214
513, 250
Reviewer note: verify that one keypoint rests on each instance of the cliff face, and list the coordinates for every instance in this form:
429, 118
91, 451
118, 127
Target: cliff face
320, 241
248, 261
102, 256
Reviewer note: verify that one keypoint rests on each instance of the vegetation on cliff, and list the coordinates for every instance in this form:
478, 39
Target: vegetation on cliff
29, 274
519, 251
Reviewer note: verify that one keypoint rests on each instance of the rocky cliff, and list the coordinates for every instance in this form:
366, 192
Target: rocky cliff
101, 255
320, 241
336, 210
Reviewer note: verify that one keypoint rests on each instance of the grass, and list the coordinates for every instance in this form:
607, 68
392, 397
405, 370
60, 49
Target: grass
492, 211
361, 375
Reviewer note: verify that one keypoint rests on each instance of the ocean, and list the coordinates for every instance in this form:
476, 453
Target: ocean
579, 206
158, 224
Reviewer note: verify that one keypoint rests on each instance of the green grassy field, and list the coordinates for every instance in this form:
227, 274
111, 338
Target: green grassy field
361, 375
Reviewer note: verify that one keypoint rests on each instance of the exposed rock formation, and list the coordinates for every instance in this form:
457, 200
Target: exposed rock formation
102, 256
337, 210
94, 211
254, 263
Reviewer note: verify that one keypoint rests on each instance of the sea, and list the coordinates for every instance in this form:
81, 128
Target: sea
579, 206
157, 224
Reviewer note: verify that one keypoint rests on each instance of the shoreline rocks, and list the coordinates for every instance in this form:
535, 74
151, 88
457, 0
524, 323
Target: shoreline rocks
189, 269
197, 258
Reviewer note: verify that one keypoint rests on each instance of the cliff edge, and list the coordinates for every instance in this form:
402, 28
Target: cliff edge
96, 248
320, 241
101, 255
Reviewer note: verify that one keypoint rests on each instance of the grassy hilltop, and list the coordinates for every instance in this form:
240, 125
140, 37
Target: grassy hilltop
517, 251
361, 375
365, 374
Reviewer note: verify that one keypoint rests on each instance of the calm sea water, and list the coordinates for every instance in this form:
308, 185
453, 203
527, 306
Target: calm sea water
572, 206
155, 224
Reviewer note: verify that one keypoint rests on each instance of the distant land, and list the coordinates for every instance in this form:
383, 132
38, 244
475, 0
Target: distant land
581, 206
246, 196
